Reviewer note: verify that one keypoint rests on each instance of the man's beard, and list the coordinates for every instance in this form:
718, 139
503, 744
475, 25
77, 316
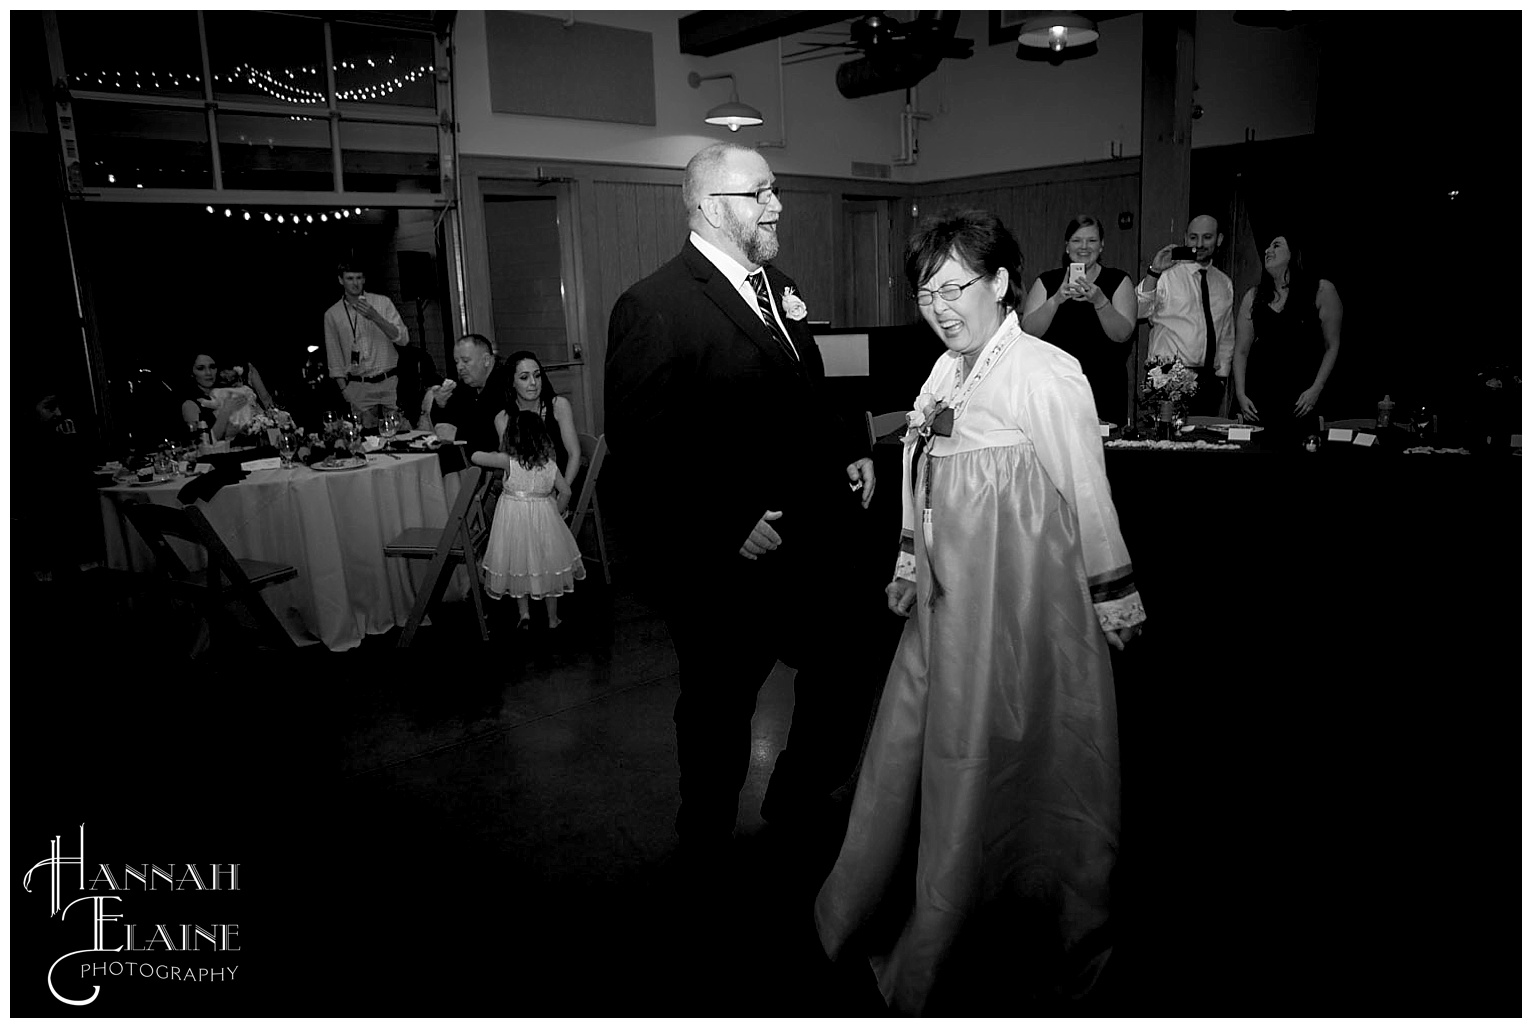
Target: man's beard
757, 244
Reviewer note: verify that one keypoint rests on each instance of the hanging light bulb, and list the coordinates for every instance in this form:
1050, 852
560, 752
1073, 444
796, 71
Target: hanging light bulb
247, 215
323, 218
310, 219
359, 210
111, 178
266, 216
226, 212
279, 219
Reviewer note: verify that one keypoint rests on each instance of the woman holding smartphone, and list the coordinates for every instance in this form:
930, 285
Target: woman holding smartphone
1087, 311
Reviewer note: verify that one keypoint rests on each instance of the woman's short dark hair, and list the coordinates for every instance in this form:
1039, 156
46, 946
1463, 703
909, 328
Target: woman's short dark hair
548, 393
1078, 222
976, 238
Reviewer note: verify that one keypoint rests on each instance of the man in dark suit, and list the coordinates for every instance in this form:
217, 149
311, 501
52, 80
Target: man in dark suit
744, 489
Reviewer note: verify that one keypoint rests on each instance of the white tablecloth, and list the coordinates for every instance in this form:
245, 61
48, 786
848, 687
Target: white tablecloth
330, 525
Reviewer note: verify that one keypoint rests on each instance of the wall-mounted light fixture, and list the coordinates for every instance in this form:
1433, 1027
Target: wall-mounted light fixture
1056, 36
732, 114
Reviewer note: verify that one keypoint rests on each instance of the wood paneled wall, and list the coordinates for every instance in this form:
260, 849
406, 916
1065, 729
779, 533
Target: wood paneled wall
629, 222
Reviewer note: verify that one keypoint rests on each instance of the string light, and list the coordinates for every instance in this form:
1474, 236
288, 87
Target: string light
282, 84
267, 217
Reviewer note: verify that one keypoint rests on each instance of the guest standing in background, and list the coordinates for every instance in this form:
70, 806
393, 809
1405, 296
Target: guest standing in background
1190, 308
1286, 341
533, 392
359, 329
1090, 319
976, 867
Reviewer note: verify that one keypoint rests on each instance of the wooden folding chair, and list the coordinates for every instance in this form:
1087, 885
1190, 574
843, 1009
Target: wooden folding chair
226, 579
461, 541
592, 456
883, 424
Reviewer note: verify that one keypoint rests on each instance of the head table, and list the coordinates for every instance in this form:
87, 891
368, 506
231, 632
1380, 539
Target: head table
330, 525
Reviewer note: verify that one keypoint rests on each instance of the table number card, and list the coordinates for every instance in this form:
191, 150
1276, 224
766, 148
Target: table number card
1515, 442
1340, 435
1239, 435
1106, 431
264, 464
1364, 439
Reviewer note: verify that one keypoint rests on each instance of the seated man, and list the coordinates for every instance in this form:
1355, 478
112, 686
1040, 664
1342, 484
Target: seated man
467, 412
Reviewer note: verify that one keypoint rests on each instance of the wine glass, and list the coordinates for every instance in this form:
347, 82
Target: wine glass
388, 427
331, 422
287, 444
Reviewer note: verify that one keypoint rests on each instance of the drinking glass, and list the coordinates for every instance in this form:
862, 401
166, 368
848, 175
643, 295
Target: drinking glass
388, 427
287, 444
332, 422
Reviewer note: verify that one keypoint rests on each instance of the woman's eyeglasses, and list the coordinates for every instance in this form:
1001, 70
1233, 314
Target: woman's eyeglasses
926, 297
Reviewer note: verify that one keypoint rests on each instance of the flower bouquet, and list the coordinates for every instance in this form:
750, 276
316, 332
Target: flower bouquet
1168, 385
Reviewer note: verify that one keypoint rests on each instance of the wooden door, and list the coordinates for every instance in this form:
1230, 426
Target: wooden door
869, 261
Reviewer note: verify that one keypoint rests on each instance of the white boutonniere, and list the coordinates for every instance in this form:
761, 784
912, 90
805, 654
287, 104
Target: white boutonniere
929, 415
792, 306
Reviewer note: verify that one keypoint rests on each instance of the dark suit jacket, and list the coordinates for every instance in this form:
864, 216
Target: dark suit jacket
710, 423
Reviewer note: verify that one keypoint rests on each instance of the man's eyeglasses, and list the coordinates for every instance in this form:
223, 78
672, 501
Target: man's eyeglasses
761, 196
926, 297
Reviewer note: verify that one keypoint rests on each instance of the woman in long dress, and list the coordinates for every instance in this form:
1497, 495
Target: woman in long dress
985, 825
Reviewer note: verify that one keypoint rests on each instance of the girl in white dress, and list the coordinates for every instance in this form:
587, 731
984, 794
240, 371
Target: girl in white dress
531, 552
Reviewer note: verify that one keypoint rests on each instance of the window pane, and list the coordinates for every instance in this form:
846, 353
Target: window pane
275, 152
125, 145
389, 158
267, 57
152, 52
375, 65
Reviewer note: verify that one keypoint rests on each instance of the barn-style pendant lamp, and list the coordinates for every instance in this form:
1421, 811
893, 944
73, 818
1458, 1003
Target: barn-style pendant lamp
732, 114
1055, 31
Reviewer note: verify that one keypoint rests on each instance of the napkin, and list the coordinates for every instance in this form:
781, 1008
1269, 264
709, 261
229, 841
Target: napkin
262, 464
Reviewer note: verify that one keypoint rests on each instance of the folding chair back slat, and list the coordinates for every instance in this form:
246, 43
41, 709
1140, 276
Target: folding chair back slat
587, 505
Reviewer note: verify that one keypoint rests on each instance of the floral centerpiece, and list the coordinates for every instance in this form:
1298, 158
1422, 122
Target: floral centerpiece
1168, 385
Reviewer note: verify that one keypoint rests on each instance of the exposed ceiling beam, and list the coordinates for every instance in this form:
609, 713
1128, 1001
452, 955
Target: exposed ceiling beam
710, 33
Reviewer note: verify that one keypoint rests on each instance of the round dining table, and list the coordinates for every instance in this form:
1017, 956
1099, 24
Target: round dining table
330, 525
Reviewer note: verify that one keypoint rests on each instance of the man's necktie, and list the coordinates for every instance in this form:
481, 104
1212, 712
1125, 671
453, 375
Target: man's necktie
763, 301
1208, 357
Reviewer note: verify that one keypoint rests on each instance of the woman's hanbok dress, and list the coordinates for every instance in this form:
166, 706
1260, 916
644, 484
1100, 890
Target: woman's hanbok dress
981, 842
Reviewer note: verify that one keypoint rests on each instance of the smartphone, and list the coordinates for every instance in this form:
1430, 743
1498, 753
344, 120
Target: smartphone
1183, 253
1076, 274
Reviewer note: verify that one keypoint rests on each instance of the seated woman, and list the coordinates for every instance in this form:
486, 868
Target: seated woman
1096, 335
1286, 339
223, 405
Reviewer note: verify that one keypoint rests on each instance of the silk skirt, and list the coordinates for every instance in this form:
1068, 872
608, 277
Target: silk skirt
985, 825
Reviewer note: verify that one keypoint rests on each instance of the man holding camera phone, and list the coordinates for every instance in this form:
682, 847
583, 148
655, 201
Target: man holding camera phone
1189, 305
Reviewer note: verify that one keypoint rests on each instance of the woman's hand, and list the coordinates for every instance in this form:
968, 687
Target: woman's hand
1120, 637
1306, 401
236, 402
1092, 293
1067, 291
901, 596
1247, 408
563, 501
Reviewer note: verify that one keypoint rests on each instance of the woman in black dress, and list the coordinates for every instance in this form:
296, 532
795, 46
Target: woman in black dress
1091, 319
1286, 340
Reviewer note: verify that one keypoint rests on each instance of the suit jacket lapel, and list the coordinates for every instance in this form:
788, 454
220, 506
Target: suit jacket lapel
722, 292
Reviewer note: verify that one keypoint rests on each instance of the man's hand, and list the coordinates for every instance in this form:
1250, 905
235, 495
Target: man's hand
762, 537
362, 307
901, 596
1247, 408
444, 391
1120, 637
1161, 261
861, 471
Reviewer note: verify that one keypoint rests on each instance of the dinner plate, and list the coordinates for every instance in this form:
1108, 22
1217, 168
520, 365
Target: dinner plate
1225, 428
347, 465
